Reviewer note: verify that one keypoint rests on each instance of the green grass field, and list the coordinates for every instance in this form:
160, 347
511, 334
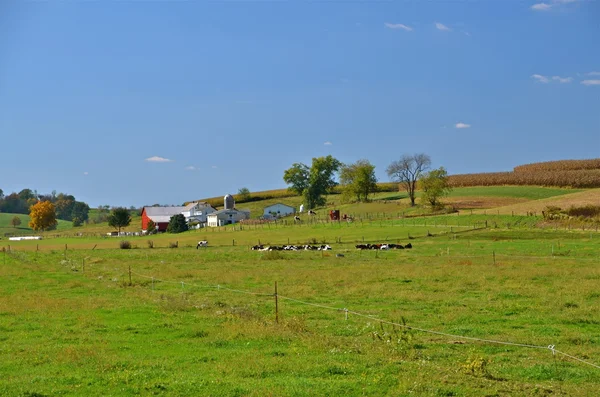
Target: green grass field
470, 310
71, 324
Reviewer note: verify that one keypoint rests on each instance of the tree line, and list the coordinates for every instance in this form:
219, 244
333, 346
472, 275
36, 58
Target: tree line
66, 207
357, 180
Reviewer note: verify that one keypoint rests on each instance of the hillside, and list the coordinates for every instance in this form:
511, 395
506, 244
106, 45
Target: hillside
583, 198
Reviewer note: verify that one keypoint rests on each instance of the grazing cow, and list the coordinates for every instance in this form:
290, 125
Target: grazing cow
311, 212
202, 243
297, 219
409, 246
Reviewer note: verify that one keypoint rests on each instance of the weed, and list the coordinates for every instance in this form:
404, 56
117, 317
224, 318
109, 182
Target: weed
125, 245
477, 366
150, 243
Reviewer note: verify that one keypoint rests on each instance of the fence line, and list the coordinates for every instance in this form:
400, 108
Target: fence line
552, 348
218, 287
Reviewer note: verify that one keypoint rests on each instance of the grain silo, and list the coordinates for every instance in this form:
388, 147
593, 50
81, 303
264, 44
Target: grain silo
229, 202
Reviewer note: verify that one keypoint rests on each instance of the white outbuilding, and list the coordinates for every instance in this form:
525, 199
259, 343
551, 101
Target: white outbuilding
227, 215
278, 210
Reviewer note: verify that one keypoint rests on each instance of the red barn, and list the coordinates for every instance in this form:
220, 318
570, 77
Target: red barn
160, 216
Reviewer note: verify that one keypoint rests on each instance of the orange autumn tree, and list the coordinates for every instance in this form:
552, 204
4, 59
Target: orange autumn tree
42, 216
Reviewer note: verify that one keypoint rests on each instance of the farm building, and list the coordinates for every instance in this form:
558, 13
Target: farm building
196, 212
160, 216
227, 215
278, 210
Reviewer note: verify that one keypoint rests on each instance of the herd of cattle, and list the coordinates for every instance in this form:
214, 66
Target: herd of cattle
307, 247
383, 246
322, 247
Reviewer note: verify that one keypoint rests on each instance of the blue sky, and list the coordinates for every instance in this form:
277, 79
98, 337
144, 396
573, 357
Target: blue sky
142, 102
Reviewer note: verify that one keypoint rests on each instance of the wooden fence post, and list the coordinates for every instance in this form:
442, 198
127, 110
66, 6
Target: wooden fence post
276, 305
130, 283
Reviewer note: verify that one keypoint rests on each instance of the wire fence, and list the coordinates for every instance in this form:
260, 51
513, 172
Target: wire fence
19, 256
276, 296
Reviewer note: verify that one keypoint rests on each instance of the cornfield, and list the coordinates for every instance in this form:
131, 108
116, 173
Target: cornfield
561, 165
564, 173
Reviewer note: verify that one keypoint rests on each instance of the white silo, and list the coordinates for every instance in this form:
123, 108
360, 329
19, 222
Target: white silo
229, 202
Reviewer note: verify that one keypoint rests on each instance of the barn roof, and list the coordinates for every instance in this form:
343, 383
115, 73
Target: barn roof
163, 211
285, 205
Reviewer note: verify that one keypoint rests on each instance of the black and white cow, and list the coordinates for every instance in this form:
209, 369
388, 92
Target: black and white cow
202, 243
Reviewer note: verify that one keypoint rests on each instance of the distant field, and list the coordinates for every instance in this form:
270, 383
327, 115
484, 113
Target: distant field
582, 198
23, 228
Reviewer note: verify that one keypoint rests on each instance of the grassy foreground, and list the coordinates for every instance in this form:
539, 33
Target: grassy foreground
70, 323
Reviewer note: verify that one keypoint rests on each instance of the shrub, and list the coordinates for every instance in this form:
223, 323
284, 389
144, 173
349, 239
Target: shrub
587, 211
150, 243
125, 245
174, 245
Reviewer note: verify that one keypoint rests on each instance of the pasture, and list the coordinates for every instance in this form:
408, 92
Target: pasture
425, 321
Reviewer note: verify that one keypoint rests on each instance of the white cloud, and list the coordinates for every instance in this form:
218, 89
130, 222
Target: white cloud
590, 82
593, 74
554, 3
462, 125
157, 159
398, 26
191, 168
562, 79
85, 173
441, 26
541, 7
328, 143
213, 167
540, 78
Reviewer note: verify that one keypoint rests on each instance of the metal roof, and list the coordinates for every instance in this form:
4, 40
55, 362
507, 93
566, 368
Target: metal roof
163, 211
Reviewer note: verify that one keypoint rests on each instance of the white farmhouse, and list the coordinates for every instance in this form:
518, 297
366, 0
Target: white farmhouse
278, 210
228, 215
197, 212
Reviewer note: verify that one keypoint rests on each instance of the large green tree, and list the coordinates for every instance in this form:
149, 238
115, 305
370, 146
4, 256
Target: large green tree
314, 182
119, 217
177, 224
297, 176
434, 185
407, 171
358, 180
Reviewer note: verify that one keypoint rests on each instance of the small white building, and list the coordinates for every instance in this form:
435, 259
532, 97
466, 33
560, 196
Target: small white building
227, 217
279, 210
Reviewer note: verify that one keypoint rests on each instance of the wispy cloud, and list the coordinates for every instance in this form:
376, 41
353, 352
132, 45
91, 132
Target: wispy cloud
214, 167
541, 7
562, 79
442, 27
539, 78
85, 173
191, 168
590, 82
462, 125
552, 4
398, 26
328, 143
593, 74
157, 159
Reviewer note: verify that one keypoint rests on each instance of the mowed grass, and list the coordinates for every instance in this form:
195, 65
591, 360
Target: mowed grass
71, 324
